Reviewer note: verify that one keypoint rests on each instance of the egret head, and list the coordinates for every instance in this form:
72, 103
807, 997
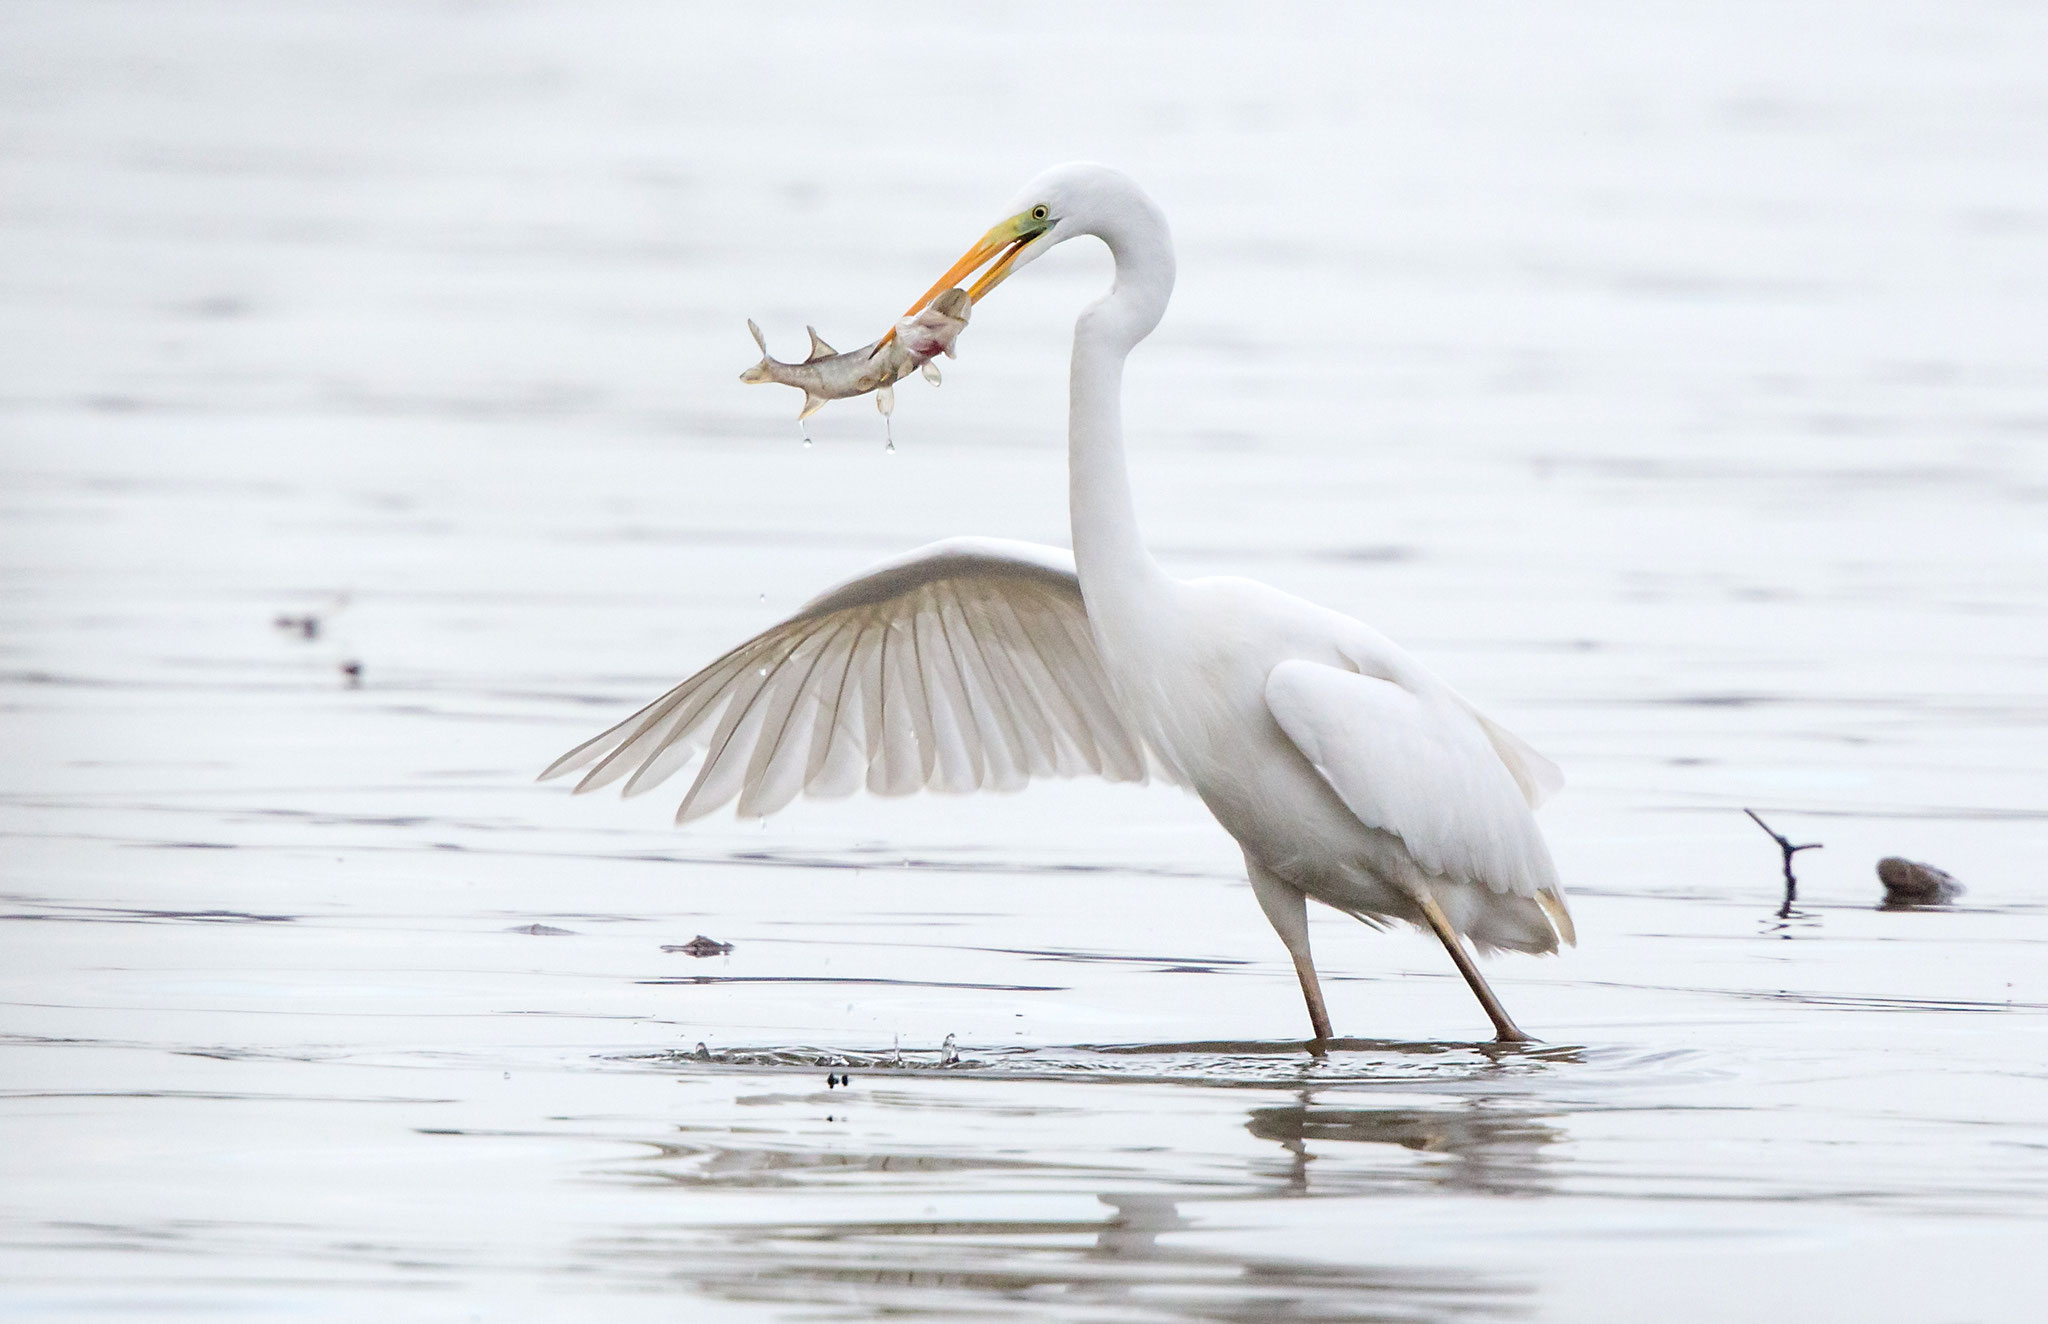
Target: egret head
1065, 201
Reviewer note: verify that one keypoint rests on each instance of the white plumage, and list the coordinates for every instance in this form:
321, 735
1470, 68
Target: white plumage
965, 665
1346, 770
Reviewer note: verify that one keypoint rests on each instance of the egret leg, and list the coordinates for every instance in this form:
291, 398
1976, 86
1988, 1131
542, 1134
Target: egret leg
1505, 1029
1286, 910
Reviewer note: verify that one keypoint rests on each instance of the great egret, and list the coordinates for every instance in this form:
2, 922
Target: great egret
1346, 770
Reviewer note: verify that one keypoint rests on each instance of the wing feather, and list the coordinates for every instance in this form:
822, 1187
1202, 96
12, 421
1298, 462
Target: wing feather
670, 721
1073, 743
957, 761
968, 664
1008, 685
884, 777
777, 769
1005, 746
1537, 776
836, 734
1374, 654
1122, 758
1418, 766
721, 776
912, 737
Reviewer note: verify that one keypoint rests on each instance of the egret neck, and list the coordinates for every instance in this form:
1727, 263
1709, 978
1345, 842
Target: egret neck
1108, 551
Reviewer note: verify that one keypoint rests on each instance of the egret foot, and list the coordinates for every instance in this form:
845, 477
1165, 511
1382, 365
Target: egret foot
1505, 1030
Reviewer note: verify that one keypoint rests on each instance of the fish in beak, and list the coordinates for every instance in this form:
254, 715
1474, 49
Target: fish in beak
926, 330
909, 346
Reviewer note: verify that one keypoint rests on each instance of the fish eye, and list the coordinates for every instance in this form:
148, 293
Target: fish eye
1040, 212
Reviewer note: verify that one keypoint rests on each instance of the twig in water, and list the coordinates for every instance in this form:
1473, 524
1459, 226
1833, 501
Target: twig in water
1785, 845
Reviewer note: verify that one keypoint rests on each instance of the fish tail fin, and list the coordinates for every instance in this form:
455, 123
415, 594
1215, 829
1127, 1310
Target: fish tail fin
759, 372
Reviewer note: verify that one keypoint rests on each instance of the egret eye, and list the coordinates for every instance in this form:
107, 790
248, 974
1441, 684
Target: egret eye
1040, 212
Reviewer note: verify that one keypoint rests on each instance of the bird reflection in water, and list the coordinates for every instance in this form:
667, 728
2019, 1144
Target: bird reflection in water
1479, 1146
1134, 1232
938, 1238
1158, 1254
1148, 1261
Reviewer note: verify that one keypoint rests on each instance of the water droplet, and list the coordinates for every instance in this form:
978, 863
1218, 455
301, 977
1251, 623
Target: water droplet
891, 447
762, 672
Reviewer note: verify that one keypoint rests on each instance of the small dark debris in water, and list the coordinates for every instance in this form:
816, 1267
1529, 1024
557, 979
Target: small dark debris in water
352, 672
699, 946
308, 625
541, 930
834, 1080
1789, 850
1910, 883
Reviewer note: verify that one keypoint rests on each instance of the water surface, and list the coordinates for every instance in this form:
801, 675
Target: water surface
1671, 378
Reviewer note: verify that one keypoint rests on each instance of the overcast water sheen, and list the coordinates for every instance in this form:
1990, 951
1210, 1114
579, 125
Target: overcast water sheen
1673, 378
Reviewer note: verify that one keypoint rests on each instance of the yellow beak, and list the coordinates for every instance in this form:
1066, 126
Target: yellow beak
1003, 244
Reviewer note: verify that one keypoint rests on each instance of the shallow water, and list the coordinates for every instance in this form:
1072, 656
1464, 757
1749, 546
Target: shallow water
1672, 378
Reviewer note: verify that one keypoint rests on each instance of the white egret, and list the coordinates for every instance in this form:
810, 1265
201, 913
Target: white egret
1346, 770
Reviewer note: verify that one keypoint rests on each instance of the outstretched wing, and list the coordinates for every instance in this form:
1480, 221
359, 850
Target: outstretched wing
1423, 767
963, 665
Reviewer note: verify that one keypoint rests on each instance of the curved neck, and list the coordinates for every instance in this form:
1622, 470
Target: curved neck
1108, 550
